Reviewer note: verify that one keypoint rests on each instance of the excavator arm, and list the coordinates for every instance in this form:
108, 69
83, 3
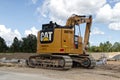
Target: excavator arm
77, 20
87, 32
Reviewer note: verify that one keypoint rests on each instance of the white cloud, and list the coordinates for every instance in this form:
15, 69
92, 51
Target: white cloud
8, 35
34, 1
60, 10
107, 14
114, 26
97, 31
110, 15
104, 15
116, 12
32, 30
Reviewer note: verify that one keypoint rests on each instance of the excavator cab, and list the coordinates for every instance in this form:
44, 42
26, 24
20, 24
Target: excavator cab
54, 38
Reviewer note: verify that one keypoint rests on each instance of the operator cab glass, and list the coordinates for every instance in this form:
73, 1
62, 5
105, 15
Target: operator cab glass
48, 27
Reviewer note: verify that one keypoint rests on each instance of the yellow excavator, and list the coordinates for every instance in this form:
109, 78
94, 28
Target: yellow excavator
59, 47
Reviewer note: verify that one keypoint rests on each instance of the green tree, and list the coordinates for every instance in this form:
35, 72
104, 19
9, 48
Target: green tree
3, 46
105, 47
101, 45
116, 47
16, 45
29, 43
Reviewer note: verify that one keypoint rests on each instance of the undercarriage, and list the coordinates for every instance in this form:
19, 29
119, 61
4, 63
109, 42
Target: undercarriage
60, 62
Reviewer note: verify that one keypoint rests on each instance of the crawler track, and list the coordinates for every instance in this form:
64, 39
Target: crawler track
85, 61
60, 62
50, 62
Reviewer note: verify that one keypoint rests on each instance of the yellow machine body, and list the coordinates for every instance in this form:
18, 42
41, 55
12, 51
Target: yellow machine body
63, 42
60, 47
54, 38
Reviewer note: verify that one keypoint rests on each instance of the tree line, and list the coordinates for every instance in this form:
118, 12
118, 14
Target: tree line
29, 45
105, 47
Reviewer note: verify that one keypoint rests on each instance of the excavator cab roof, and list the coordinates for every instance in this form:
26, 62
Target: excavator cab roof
51, 26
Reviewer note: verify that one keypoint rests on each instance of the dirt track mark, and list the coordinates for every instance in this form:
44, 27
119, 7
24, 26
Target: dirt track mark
111, 75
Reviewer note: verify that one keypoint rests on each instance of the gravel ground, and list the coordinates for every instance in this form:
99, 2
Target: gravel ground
104, 72
109, 71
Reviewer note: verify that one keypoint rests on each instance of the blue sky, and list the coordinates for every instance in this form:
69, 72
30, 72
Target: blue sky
18, 14
22, 17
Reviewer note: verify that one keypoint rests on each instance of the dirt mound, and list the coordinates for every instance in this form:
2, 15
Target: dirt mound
16, 55
116, 57
111, 65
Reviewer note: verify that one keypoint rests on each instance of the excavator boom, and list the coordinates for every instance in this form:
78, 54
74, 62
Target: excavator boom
77, 20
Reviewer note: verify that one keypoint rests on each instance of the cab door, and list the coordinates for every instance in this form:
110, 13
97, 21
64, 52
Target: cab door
67, 39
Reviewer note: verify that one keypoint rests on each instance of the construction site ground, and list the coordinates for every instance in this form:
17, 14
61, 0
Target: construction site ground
109, 71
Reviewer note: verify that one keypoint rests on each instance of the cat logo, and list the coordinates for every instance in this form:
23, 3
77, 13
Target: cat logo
46, 36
